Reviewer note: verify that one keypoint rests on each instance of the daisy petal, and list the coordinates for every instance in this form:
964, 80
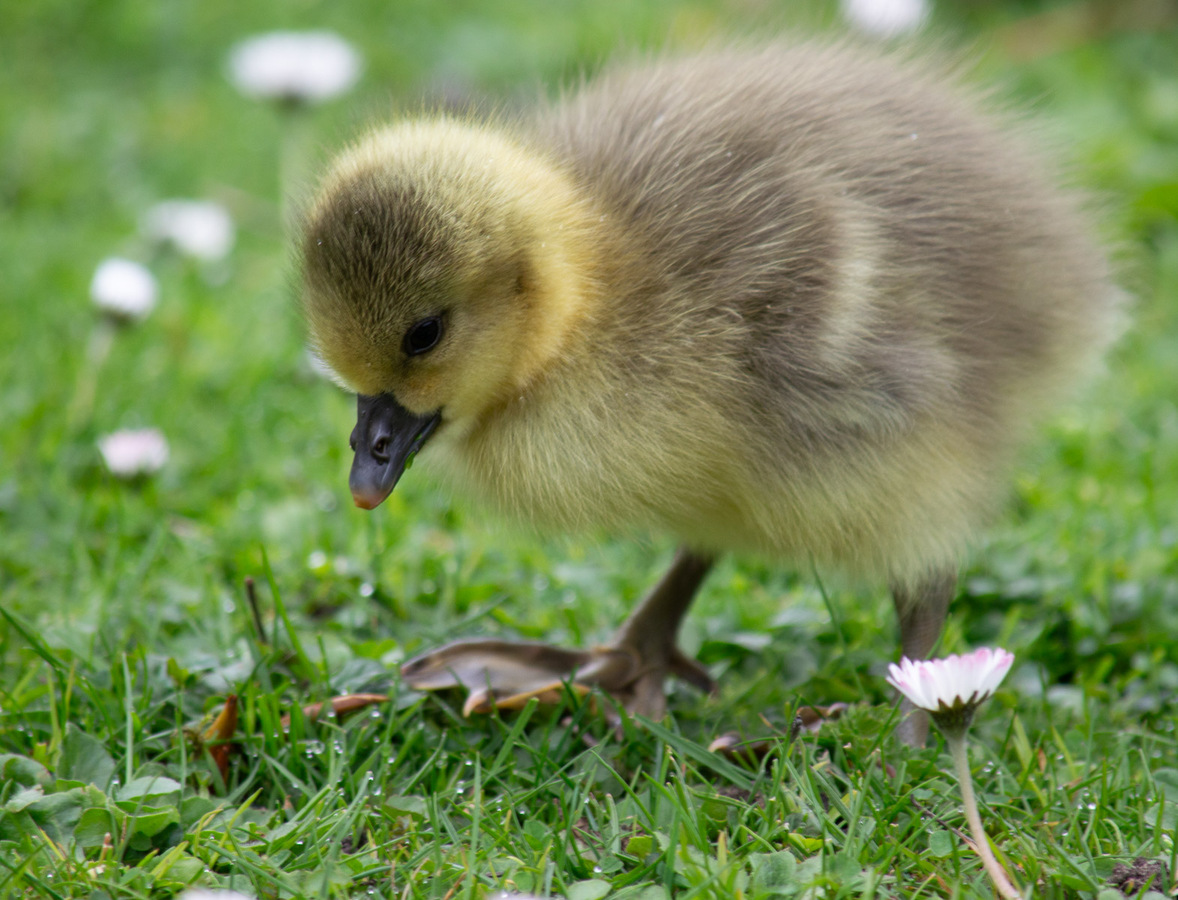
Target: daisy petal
299, 66
123, 289
952, 682
131, 453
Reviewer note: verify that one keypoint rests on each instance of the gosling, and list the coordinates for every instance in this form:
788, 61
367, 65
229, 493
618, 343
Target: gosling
802, 302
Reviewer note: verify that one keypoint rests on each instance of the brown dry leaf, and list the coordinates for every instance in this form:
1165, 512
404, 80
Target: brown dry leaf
341, 706
217, 736
744, 750
810, 718
739, 749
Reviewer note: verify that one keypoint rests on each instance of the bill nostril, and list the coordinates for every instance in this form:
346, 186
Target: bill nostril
380, 448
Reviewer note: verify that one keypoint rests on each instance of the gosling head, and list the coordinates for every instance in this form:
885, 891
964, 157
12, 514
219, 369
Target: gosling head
442, 268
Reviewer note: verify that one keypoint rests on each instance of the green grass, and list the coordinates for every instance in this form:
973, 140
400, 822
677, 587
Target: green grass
126, 623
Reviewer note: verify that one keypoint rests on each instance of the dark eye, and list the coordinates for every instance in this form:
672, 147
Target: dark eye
423, 336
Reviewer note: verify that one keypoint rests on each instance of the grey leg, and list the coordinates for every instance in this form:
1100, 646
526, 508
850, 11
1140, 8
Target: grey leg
921, 610
650, 632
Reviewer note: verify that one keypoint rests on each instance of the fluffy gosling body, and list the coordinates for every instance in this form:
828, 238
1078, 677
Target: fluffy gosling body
803, 302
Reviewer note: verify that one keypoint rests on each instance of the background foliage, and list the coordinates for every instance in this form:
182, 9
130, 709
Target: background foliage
125, 615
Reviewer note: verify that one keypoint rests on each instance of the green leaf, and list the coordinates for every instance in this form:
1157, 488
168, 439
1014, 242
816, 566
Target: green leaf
653, 892
84, 759
640, 845
593, 889
940, 843
57, 814
94, 825
178, 673
149, 820
24, 771
139, 842
155, 786
185, 869
406, 806
16, 827
537, 834
193, 809
775, 873
22, 799
715, 809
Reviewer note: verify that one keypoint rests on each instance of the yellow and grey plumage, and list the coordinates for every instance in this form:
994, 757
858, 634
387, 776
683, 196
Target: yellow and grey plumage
802, 302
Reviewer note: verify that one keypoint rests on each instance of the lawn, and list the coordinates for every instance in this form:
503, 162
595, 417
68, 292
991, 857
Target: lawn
127, 622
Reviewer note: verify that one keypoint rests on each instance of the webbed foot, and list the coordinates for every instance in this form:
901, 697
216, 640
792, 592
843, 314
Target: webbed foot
506, 675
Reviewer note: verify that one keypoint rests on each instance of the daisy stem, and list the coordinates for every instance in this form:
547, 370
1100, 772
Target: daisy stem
293, 166
957, 747
82, 404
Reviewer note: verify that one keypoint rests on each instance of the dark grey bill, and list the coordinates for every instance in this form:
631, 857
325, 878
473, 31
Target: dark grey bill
385, 439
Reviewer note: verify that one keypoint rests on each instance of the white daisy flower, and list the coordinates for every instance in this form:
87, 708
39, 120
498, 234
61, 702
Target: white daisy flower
886, 18
951, 689
134, 452
199, 228
296, 66
953, 683
123, 289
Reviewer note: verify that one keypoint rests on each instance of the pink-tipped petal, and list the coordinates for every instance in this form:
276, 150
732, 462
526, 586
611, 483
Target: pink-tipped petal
952, 681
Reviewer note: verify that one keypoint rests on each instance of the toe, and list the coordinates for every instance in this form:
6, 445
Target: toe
683, 666
502, 666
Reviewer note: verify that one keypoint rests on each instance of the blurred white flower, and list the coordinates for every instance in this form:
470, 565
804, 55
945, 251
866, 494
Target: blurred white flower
297, 66
886, 18
133, 452
952, 684
206, 894
199, 228
123, 289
